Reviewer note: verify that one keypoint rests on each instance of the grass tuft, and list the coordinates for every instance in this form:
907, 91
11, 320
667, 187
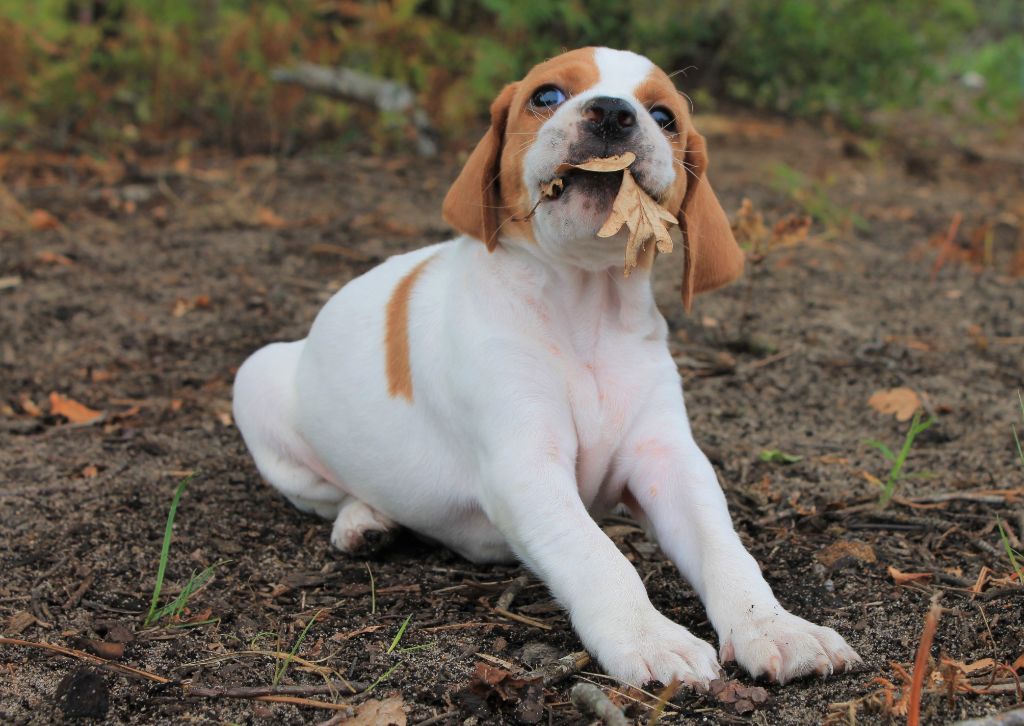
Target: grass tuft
281, 667
1011, 553
165, 550
896, 474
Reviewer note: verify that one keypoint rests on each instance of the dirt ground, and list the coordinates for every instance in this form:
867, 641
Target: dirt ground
151, 281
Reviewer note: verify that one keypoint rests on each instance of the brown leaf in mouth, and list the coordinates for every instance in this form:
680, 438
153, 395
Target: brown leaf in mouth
645, 218
606, 164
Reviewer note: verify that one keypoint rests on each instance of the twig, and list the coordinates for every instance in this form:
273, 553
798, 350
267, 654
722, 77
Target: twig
511, 592
931, 622
88, 657
522, 619
438, 718
351, 85
330, 688
558, 670
76, 596
590, 699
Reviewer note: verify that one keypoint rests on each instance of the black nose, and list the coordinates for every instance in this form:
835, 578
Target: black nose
609, 118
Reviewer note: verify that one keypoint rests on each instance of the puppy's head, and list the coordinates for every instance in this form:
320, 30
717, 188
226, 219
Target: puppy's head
587, 103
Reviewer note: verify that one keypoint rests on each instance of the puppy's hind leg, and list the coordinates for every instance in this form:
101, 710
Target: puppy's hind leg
264, 411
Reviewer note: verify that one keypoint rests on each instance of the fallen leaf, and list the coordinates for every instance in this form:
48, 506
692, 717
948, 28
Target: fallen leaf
646, 219
977, 665
110, 651
268, 218
605, 164
901, 578
72, 410
28, 406
19, 622
40, 220
903, 402
54, 258
389, 712
90, 471
777, 456
856, 549
1019, 663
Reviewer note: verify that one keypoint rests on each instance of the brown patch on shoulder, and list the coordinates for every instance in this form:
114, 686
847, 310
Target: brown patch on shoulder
396, 334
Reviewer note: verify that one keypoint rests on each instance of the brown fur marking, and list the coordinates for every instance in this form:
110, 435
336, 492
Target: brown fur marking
396, 335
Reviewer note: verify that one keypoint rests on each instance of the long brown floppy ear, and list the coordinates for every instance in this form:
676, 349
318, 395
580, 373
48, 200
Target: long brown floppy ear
712, 257
473, 203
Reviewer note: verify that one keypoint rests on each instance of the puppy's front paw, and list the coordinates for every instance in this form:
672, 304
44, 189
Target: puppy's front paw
653, 648
782, 646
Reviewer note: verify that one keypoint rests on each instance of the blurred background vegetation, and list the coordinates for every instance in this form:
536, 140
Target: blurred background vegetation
160, 74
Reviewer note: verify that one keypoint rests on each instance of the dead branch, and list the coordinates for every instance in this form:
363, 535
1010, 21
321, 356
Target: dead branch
331, 688
558, 670
382, 94
590, 699
510, 594
88, 657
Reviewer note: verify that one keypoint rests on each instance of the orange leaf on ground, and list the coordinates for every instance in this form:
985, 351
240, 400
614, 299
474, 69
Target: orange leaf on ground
389, 712
54, 258
902, 402
901, 578
72, 410
268, 218
40, 219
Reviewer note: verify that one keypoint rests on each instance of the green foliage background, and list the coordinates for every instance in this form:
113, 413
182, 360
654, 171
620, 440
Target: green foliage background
153, 72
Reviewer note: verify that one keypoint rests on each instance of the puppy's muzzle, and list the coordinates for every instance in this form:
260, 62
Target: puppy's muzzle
608, 118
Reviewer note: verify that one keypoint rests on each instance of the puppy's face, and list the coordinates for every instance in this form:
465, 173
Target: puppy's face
584, 104
588, 104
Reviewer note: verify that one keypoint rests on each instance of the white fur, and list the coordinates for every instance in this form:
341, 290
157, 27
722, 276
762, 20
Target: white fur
543, 391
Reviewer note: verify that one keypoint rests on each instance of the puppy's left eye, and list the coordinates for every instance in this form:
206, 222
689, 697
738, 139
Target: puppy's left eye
664, 118
547, 97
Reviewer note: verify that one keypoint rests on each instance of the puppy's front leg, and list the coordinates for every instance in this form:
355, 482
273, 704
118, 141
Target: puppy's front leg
674, 485
529, 492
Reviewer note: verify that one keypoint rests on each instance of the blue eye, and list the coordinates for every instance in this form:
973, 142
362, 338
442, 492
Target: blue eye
547, 97
664, 118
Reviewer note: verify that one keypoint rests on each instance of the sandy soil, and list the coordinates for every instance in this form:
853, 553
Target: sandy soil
160, 279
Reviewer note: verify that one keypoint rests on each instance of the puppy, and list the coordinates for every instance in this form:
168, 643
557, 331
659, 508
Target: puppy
500, 392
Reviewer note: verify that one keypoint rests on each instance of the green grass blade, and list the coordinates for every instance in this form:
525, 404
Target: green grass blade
165, 550
383, 677
373, 591
399, 634
882, 448
279, 674
1010, 552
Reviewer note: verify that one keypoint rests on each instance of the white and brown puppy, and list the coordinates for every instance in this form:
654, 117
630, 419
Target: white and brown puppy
498, 392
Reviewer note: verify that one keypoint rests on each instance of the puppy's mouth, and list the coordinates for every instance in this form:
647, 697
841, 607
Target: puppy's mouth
599, 184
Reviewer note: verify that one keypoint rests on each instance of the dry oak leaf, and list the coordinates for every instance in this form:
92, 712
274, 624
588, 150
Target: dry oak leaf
72, 410
40, 220
389, 712
645, 218
901, 578
266, 217
605, 164
856, 549
903, 402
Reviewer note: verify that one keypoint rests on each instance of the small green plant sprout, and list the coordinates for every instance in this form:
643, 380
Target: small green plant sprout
777, 456
1013, 555
282, 667
196, 580
1016, 436
896, 473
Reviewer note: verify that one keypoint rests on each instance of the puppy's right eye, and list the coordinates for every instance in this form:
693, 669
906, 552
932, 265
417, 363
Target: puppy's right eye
547, 97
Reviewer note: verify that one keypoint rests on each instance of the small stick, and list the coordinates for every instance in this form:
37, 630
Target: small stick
88, 657
438, 718
511, 592
590, 699
522, 619
329, 688
931, 622
559, 670
79, 592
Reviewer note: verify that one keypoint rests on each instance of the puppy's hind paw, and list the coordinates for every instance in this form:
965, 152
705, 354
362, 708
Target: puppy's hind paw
361, 531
